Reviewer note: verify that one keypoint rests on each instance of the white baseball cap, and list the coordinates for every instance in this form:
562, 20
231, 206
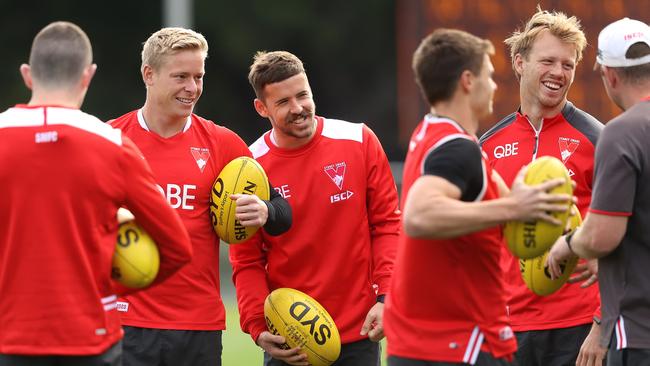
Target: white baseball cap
615, 39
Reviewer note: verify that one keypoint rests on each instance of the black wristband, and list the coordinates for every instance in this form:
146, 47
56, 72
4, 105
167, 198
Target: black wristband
381, 298
596, 320
568, 241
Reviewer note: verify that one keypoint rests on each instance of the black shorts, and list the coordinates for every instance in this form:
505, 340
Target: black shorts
112, 357
361, 353
484, 359
627, 356
556, 347
151, 347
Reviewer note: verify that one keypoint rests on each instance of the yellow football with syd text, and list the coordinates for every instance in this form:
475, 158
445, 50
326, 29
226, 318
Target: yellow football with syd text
530, 239
136, 259
538, 278
304, 323
243, 175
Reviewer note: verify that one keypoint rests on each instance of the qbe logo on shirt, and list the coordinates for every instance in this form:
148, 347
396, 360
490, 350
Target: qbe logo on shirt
505, 150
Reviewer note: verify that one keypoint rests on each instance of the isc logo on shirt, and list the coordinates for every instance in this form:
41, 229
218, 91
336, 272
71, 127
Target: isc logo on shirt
341, 196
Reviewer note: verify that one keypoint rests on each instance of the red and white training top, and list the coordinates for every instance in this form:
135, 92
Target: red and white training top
342, 242
512, 143
63, 175
447, 300
185, 166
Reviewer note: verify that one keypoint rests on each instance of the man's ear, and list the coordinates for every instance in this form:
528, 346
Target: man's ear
466, 81
519, 64
87, 75
611, 76
26, 73
260, 108
147, 74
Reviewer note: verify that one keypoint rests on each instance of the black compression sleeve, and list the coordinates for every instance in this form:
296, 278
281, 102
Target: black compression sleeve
280, 216
459, 162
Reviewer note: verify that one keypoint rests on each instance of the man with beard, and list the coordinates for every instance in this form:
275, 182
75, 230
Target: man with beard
341, 247
544, 56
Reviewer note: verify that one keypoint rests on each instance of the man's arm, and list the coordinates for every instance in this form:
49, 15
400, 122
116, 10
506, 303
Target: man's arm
279, 214
384, 224
433, 208
248, 261
274, 215
598, 236
617, 162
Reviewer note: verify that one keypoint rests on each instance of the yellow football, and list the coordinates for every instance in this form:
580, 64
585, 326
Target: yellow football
536, 275
530, 239
304, 323
241, 175
136, 259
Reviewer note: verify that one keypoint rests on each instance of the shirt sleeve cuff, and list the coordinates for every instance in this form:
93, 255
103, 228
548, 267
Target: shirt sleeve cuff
256, 328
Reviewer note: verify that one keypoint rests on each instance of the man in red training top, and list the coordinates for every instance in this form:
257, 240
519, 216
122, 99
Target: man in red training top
447, 303
549, 329
181, 322
64, 174
340, 249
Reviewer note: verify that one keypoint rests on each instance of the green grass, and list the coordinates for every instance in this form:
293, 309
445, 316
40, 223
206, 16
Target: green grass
238, 347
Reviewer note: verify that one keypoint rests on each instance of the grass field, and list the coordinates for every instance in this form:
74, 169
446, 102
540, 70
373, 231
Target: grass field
238, 347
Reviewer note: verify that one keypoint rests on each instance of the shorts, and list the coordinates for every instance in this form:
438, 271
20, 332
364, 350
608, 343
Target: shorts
150, 347
484, 359
627, 356
361, 353
111, 357
557, 347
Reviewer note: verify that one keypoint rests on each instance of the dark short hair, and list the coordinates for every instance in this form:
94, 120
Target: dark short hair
442, 57
273, 67
638, 73
59, 54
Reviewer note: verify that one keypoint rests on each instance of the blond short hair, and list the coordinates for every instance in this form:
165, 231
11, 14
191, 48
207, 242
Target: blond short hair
567, 29
168, 41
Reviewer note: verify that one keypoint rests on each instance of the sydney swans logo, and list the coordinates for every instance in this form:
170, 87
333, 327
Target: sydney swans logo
336, 172
201, 156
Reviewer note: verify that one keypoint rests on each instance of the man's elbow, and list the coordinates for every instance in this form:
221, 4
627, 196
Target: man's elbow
417, 228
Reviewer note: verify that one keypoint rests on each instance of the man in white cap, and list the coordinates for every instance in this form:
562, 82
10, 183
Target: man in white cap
616, 229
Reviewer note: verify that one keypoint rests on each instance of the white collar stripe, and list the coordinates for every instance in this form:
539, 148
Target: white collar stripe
144, 126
